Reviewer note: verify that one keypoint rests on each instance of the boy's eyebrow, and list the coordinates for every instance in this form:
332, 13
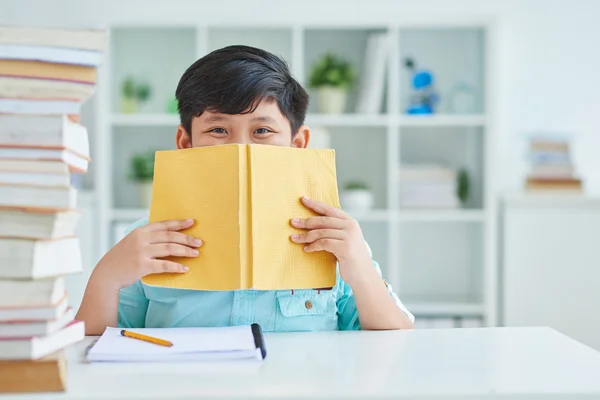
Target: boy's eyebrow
264, 119
215, 118
218, 118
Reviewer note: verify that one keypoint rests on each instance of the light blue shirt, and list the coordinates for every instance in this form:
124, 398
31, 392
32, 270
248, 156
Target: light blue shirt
144, 306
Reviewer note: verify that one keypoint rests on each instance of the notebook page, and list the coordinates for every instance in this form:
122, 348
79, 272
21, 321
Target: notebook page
185, 340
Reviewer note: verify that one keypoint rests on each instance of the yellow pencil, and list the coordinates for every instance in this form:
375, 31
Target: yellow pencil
145, 338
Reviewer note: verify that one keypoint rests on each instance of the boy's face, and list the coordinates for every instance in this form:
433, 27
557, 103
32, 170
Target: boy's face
266, 125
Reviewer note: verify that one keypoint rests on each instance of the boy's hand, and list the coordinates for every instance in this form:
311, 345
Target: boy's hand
336, 232
138, 253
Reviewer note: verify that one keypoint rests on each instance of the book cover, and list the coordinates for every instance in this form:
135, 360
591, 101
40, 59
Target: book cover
48, 374
242, 198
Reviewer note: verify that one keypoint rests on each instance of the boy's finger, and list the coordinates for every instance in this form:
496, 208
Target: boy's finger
161, 266
319, 223
328, 244
171, 225
317, 234
323, 209
171, 250
175, 237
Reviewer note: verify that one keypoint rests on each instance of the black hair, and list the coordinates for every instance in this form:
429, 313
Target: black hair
233, 80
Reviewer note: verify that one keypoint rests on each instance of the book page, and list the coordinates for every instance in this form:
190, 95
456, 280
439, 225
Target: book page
203, 184
280, 176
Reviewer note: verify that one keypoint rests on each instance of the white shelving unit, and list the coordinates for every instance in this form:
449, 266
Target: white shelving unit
441, 262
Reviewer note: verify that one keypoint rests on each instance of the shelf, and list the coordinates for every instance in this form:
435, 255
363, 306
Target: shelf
171, 120
428, 215
438, 260
347, 120
422, 309
446, 120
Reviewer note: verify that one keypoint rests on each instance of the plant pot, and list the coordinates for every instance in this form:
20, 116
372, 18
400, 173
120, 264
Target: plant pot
144, 190
331, 100
129, 105
357, 200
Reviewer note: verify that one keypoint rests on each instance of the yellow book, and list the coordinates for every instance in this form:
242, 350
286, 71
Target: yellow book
242, 198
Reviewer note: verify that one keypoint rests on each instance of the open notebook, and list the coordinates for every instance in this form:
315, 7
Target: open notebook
189, 344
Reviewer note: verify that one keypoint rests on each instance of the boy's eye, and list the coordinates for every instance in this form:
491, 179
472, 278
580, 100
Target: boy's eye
218, 130
262, 131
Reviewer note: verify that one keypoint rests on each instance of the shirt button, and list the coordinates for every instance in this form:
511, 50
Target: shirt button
308, 304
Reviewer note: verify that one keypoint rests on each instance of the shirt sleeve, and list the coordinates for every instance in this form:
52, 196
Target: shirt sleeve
347, 311
133, 303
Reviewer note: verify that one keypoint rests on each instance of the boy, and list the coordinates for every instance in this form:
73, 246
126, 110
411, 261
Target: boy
241, 94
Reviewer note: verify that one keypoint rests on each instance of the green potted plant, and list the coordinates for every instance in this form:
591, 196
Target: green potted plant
134, 94
142, 173
143, 93
357, 196
128, 102
463, 186
172, 106
332, 77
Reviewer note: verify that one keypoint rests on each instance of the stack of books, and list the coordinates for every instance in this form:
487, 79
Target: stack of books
552, 169
45, 77
428, 186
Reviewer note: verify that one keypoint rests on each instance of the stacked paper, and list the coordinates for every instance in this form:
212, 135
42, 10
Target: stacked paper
428, 186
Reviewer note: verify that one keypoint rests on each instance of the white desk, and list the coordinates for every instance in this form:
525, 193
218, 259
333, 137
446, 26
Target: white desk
507, 363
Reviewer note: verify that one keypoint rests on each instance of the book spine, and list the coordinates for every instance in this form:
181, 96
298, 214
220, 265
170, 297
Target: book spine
245, 202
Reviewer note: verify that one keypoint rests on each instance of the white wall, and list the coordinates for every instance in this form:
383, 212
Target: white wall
547, 53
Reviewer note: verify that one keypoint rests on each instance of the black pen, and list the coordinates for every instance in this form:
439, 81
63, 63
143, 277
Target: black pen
89, 347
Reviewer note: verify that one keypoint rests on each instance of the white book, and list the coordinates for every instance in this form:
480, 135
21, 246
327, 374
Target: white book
27, 329
38, 197
376, 100
35, 259
45, 292
425, 172
440, 187
429, 198
51, 54
43, 131
366, 77
43, 107
41, 346
86, 39
370, 96
430, 203
37, 225
75, 162
188, 344
24, 178
31, 88
42, 313
35, 166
